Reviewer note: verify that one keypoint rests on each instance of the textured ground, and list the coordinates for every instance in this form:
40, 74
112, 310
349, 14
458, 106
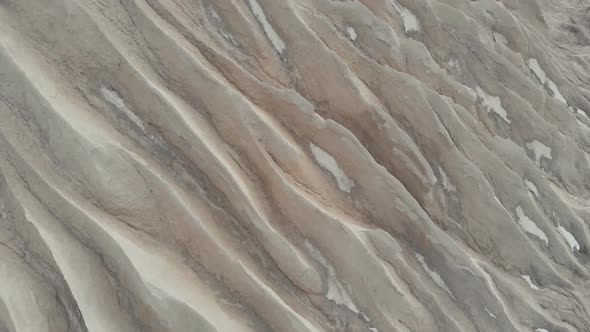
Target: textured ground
294, 165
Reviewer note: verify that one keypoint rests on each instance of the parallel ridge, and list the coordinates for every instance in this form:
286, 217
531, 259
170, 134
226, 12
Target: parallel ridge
294, 165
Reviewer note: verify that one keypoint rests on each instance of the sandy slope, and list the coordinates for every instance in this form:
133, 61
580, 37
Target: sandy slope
294, 165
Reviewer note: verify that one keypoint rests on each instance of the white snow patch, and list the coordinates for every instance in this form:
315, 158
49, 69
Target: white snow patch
434, 275
528, 280
275, 40
215, 15
582, 113
336, 292
500, 38
454, 63
532, 188
492, 104
540, 73
372, 329
540, 150
411, 22
330, 164
228, 36
569, 238
529, 226
114, 99
585, 120
455, 67
446, 182
556, 94
489, 313
351, 33
541, 330
536, 68
364, 317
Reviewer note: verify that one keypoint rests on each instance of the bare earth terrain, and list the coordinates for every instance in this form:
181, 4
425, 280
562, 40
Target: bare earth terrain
294, 165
